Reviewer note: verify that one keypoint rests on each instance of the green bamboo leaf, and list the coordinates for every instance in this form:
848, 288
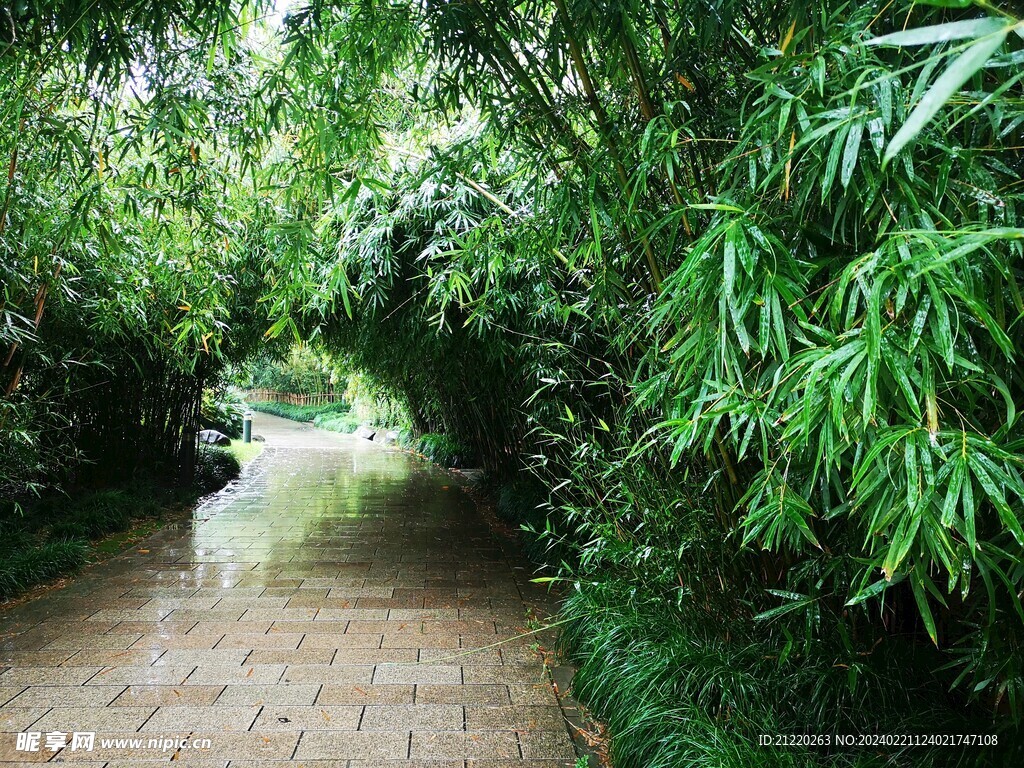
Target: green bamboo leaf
924, 609
729, 266
970, 530
850, 152
902, 541
949, 503
958, 73
993, 490
782, 610
832, 164
947, 3
875, 589
942, 33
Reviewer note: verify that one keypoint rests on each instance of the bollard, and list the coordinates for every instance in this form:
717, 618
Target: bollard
247, 427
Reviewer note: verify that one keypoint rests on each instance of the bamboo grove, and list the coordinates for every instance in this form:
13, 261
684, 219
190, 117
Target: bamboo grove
725, 296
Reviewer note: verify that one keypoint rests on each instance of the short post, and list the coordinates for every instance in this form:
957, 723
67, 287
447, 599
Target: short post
247, 427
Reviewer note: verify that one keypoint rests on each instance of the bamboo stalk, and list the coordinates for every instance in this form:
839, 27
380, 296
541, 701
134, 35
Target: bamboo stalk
604, 125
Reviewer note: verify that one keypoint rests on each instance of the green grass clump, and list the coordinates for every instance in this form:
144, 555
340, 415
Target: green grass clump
55, 535
337, 422
520, 500
21, 568
445, 450
678, 687
215, 468
102, 513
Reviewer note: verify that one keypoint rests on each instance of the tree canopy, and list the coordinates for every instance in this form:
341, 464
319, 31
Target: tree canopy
736, 283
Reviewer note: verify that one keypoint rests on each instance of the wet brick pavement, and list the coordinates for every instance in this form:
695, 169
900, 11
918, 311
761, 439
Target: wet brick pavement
321, 612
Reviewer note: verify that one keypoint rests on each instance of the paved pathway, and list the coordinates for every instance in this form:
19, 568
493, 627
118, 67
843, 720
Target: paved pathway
319, 612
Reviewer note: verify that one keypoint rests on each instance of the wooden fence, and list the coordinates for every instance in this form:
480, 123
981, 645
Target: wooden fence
272, 396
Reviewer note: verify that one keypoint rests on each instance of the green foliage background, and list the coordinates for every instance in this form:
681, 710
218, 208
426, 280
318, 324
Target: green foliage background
737, 284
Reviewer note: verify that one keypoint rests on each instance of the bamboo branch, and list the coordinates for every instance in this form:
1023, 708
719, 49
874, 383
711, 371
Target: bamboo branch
582, 71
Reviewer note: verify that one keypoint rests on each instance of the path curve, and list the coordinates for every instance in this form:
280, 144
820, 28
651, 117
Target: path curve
316, 612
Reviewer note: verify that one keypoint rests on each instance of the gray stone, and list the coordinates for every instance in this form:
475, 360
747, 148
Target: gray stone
213, 437
365, 432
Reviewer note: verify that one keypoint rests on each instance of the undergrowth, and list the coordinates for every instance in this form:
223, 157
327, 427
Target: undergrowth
328, 411
56, 535
677, 690
445, 450
337, 422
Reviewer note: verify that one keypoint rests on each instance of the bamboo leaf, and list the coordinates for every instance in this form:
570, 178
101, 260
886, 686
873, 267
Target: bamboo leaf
850, 152
948, 83
943, 33
924, 608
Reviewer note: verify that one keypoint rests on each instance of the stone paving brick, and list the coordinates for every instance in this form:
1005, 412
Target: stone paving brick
175, 675
366, 694
533, 694
547, 744
168, 696
98, 642
247, 674
68, 719
305, 718
291, 657
146, 627
220, 657
8, 692
173, 641
374, 656
417, 717
324, 673
35, 658
506, 673
489, 695
461, 656
252, 641
514, 718
417, 673
48, 675
15, 718
310, 627
68, 695
268, 694
202, 718
318, 613
363, 745
439, 744
9, 756
331, 640
234, 746
408, 640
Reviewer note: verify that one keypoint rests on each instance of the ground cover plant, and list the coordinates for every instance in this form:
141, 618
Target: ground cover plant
57, 534
724, 297
301, 412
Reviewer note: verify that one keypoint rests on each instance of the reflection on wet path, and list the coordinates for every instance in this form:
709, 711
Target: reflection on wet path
318, 611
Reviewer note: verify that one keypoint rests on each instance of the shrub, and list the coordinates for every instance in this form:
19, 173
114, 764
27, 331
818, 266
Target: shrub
520, 500
676, 690
215, 468
337, 422
222, 411
102, 513
24, 568
444, 450
300, 412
